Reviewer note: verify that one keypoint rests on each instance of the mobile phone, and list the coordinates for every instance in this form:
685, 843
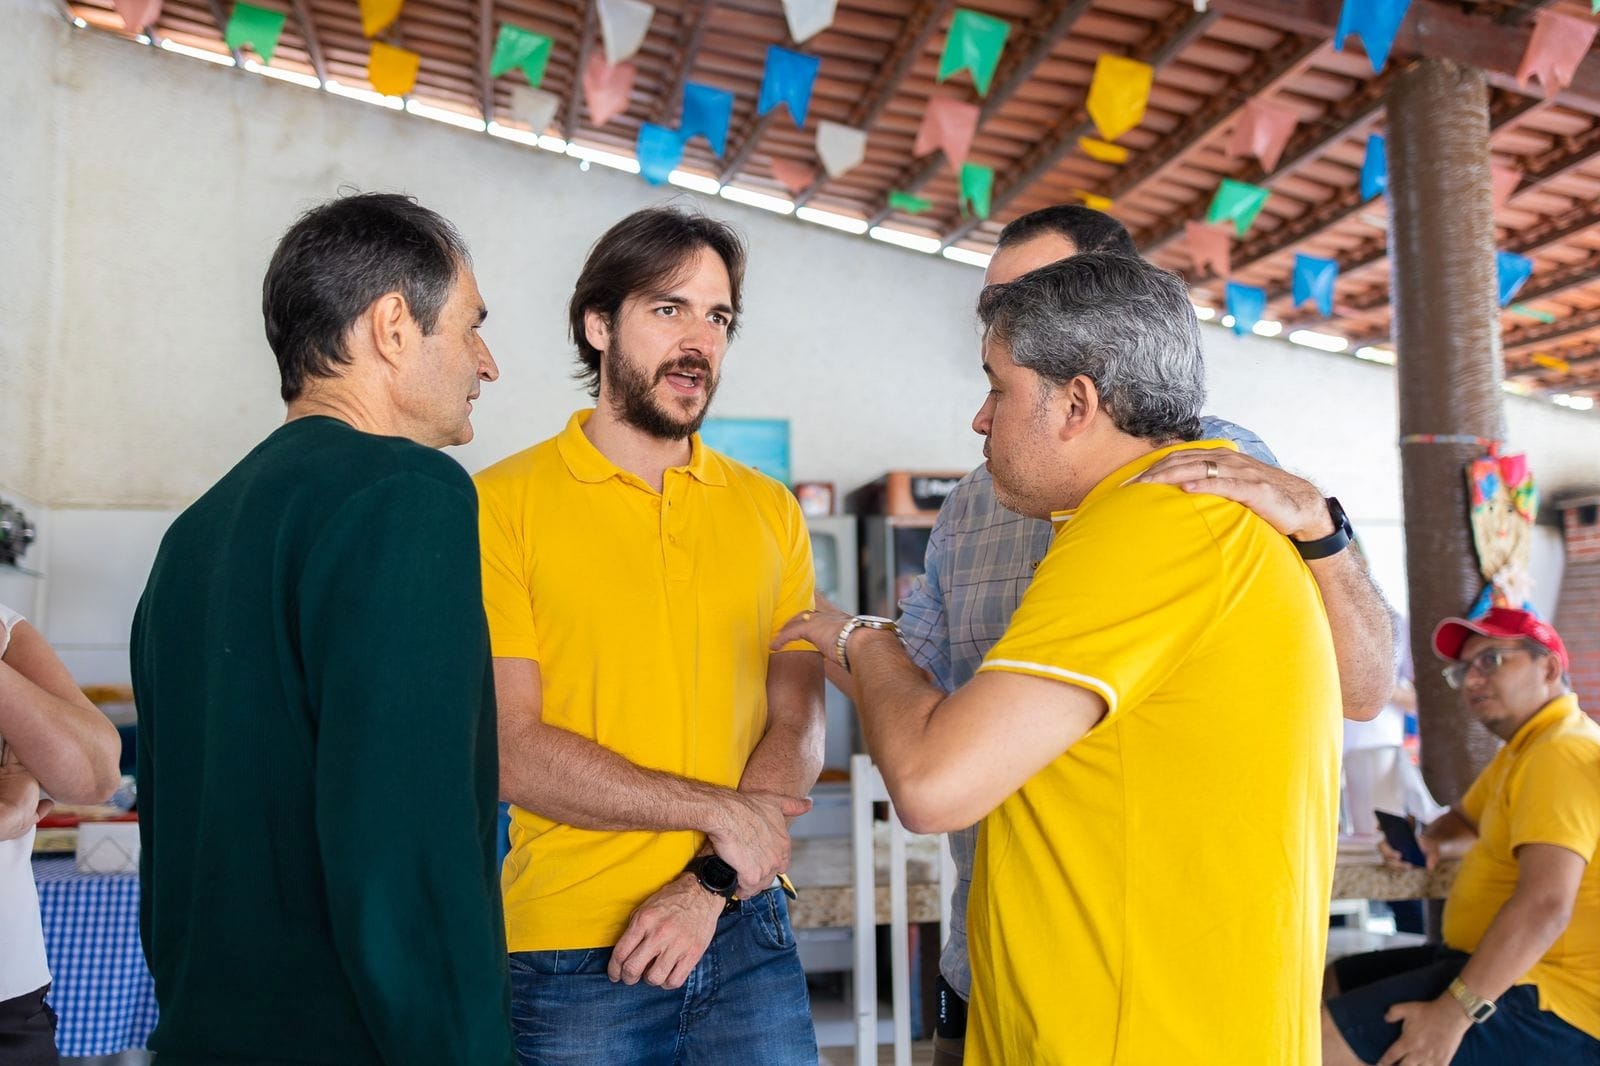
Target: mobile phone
1397, 830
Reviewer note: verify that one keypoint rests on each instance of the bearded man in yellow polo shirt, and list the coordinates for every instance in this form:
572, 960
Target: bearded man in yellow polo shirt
1153, 744
1517, 978
650, 744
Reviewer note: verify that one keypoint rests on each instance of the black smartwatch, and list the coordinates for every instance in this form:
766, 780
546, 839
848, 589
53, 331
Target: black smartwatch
1334, 542
714, 875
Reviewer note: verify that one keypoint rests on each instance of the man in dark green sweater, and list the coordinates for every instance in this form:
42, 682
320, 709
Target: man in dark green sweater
317, 744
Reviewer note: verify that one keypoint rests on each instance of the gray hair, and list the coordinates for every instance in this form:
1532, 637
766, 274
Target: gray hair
1123, 323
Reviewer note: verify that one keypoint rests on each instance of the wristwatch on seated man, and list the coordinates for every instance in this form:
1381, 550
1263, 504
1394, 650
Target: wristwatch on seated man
1477, 1008
1335, 542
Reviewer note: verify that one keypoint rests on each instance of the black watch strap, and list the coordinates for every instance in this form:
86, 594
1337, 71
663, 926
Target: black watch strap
1334, 542
714, 875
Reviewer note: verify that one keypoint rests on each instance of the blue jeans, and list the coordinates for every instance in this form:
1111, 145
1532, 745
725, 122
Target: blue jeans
745, 1001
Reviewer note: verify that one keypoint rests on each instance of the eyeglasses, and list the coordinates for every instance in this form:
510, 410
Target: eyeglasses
1485, 663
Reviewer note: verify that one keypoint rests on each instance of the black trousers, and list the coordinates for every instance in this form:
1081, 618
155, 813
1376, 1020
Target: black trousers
28, 1031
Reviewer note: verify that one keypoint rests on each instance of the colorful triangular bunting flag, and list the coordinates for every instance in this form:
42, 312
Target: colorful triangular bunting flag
1374, 168
517, 47
659, 151
1246, 304
947, 125
974, 44
623, 25
1208, 248
1503, 181
1118, 94
138, 14
1262, 131
1093, 201
1103, 151
378, 15
256, 27
392, 71
977, 189
807, 18
793, 176
911, 205
840, 147
1558, 45
1238, 202
1511, 272
606, 88
706, 112
787, 80
1313, 280
1375, 22
534, 106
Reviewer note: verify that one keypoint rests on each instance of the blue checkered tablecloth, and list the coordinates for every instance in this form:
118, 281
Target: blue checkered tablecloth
100, 987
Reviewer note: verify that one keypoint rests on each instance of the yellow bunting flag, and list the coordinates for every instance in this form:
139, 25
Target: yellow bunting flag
1090, 200
1118, 94
392, 71
1550, 362
378, 15
1104, 151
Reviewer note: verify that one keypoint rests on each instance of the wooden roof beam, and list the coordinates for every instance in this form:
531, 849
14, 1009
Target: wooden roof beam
308, 30
569, 119
1170, 38
1017, 66
693, 17
908, 47
1434, 29
221, 18
485, 54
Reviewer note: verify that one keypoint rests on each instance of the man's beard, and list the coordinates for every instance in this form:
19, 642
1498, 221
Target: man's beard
633, 394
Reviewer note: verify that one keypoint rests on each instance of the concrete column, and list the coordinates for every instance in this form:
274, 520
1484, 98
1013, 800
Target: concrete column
1447, 332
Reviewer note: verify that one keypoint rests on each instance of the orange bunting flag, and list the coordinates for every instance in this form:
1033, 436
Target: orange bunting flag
947, 125
392, 71
378, 15
793, 176
606, 88
1208, 247
1118, 94
1263, 130
1559, 43
1092, 200
1104, 151
1550, 362
1503, 181
137, 14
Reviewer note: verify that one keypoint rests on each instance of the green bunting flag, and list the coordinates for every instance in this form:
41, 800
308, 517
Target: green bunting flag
904, 201
975, 43
977, 188
256, 27
1529, 312
517, 47
1237, 202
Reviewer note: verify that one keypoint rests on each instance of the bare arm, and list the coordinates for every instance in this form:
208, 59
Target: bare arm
788, 757
949, 760
572, 780
65, 742
20, 805
1358, 617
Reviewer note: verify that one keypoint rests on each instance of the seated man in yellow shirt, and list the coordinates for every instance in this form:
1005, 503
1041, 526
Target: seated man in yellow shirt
651, 746
1517, 978
1153, 744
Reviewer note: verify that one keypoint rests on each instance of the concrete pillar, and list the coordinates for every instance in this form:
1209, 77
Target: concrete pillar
1447, 334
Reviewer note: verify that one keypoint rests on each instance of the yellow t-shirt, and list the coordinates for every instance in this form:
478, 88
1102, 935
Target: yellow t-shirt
1159, 893
1543, 787
650, 616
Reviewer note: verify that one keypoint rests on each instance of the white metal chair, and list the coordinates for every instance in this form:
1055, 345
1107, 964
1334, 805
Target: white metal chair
867, 788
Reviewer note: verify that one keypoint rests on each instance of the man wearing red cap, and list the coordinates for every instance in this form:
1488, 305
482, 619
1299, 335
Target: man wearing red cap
1517, 978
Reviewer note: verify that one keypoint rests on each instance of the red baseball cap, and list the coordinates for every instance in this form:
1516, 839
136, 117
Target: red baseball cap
1501, 622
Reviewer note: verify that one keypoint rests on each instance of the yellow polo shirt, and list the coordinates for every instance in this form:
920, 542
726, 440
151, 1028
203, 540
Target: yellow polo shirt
650, 616
1543, 787
1159, 893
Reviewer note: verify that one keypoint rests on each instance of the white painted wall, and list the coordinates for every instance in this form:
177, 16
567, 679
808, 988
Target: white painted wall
145, 191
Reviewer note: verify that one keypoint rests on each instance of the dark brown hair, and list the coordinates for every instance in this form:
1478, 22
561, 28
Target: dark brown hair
646, 252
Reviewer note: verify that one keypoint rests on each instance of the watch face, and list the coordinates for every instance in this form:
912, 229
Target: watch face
718, 876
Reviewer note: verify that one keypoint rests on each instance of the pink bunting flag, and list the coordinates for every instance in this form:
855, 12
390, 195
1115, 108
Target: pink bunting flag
1559, 43
606, 88
948, 125
792, 175
137, 14
1262, 131
1208, 247
1504, 182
